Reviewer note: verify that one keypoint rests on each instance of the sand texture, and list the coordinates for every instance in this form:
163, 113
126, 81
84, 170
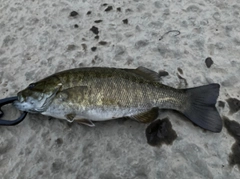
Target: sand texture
41, 37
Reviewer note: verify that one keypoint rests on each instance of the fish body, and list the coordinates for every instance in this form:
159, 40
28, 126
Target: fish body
98, 94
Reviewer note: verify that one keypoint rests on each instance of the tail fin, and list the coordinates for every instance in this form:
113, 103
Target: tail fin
202, 110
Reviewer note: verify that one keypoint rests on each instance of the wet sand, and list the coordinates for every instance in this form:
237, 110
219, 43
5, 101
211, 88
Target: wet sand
39, 38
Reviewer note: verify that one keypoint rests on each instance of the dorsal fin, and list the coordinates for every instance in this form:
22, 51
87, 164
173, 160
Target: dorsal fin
145, 73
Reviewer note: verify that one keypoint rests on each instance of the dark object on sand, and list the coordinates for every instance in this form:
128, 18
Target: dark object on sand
234, 105
208, 62
160, 132
233, 129
73, 13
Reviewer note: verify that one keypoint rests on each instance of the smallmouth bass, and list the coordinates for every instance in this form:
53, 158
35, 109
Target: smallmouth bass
98, 94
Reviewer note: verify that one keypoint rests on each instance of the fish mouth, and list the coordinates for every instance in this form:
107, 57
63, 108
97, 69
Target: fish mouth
25, 106
19, 105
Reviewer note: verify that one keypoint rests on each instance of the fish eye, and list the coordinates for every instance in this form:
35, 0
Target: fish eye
31, 86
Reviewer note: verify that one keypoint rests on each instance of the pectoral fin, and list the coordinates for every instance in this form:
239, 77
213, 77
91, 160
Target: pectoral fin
85, 122
69, 93
146, 117
70, 117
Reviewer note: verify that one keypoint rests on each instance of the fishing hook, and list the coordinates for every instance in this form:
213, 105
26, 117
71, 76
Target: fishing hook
177, 31
8, 122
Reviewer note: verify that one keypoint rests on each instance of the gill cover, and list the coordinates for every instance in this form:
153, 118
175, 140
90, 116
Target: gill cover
38, 96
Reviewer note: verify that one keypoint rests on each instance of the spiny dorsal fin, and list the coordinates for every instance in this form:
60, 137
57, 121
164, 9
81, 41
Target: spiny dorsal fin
147, 117
148, 74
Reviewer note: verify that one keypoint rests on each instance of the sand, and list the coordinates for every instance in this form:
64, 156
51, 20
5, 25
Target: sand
40, 37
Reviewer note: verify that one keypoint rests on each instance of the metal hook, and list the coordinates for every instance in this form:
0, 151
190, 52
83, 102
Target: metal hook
12, 122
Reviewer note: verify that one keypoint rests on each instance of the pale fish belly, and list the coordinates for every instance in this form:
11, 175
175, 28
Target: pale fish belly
95, 114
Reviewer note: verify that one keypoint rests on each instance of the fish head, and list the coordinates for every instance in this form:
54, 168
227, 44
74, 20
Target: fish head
38, 96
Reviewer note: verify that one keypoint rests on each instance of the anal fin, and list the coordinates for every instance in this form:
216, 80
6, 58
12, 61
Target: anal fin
147, 116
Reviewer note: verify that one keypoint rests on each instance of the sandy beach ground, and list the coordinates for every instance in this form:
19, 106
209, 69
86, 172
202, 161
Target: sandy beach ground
40, 37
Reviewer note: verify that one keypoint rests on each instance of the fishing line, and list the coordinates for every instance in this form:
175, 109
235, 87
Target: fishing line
170, 31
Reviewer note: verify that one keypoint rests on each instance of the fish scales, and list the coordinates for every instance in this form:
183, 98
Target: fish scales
107, 87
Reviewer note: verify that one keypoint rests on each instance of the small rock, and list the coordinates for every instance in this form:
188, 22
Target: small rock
102, 43
76, 26
98, 21
73, 14
119, 9
94, 49
89, 12
109, 8
209, 62
59, 141
94, 30
125, 21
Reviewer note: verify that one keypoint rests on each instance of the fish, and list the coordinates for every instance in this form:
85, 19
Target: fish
89, 94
